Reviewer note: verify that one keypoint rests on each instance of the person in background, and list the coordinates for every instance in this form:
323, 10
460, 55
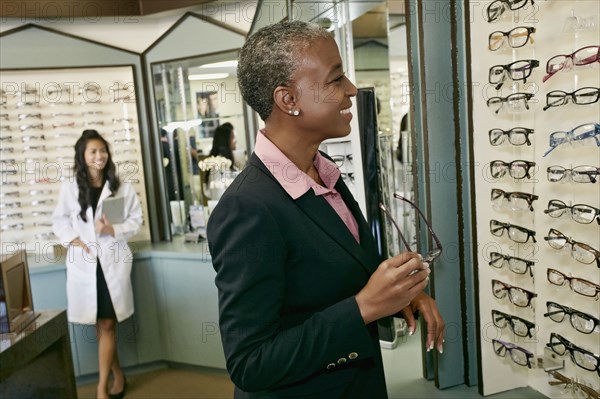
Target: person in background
224, 143
300, 281
98, 260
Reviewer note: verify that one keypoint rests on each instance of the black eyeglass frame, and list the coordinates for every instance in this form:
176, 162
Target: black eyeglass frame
572, 348
525, 97
561, 206
574, 95
568, 240
515, 194
565, 310
508, 167
495, 256
508, 133
432, 254
505, 4
509, 321
507, 288
501, 71
507, 226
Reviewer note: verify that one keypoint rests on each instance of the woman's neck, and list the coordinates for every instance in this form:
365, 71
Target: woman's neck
95, 181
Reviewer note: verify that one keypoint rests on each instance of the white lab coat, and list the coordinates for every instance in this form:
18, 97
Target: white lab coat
114, 253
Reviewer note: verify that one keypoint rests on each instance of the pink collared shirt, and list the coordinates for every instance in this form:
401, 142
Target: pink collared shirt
296, 183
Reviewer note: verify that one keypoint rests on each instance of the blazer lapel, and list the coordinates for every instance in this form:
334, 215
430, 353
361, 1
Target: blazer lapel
367, 241
322, 214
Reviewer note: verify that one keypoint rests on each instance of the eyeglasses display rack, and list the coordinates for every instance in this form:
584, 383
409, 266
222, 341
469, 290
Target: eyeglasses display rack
535, 84
42, 114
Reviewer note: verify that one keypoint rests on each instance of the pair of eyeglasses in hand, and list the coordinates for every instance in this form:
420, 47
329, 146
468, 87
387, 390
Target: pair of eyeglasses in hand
430, 255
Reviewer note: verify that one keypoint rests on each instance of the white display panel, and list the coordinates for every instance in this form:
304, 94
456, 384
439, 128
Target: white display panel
43, 113
561, 27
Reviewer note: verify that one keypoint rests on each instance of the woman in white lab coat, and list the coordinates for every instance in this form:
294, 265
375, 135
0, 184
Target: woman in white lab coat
98, 258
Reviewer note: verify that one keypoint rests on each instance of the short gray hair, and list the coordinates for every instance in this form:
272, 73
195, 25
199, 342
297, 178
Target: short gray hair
270, 57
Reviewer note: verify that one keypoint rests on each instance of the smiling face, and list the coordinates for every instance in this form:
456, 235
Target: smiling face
323, 92
95, 156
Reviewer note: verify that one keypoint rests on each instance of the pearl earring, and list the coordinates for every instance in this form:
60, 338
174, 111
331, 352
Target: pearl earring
296, 112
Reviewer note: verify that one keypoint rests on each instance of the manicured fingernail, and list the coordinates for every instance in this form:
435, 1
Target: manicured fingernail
430, 347
411, 332
441, 350
426, 264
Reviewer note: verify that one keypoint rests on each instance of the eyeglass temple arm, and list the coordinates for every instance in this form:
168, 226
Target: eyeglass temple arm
387, 213
435, 237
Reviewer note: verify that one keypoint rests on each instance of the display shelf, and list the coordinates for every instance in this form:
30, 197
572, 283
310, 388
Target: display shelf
43, 113
552, 31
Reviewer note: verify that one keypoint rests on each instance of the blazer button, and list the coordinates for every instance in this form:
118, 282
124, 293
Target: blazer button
341, 360
353, 355
330, 366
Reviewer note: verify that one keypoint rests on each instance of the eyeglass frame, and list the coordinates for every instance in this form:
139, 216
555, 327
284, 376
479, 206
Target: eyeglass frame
571, 57
530, 30
565, 310
571, 347
564, 171
564, 206
528, 263
509, 165
507, 287
561, 379
509, 321
342, 158
509, 346
432, 254
570, 280
507, 133
506, 226
504, 3
526, 98
569, 137
507, 68
572, 95
573, 243
507, 194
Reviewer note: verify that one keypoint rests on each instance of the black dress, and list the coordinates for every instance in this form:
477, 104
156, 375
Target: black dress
105, 306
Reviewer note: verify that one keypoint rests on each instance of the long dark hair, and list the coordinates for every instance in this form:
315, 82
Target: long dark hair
222, 142
109, 173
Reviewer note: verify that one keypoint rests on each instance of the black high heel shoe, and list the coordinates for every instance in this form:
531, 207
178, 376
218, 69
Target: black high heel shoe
121, 394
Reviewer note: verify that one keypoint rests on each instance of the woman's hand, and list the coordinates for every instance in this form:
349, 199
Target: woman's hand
78, 243
394, 285
103, 227
429, 311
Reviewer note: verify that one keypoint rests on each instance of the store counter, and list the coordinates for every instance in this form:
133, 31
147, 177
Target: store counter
36, 362
176, 307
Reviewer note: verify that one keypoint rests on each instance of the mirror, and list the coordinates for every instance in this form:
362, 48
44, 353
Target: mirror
194, 97
381, 62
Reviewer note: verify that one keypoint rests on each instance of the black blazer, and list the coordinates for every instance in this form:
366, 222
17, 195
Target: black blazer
287, 273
